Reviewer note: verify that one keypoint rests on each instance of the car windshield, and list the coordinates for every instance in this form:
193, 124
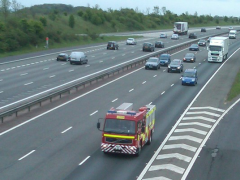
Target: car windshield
152, 60
175, 62
119, 126
146, 44
188, 74
162, 34
158, 42
202, 41
215, 48
189, 55
130, 39
164, 57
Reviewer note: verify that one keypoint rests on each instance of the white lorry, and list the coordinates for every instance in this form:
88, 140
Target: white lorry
180, 28
218, 49
232, 34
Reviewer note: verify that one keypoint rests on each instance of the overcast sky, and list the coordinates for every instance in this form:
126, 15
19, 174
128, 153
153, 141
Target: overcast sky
202, 7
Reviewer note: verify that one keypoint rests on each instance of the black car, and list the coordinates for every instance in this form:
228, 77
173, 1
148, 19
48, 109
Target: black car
203, 30
202, 42
194, 47
63, 57
192, 36
153, 63
159, 44
165, 59
189, 57
112, 45
148, 47
175, 66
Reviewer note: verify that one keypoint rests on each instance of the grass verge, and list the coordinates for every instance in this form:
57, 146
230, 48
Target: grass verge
235, 89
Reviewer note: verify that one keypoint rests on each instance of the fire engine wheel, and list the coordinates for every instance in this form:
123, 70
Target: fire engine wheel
139, 150
150, 139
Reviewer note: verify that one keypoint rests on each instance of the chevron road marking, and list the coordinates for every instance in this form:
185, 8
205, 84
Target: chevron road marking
157, 178
187, 137
182, 146
191, 130
199, 117
195, 123
175, 155
170, 167
209, 107
204, 112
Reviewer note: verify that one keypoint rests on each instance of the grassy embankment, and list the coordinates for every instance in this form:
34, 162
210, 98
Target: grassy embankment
235, 89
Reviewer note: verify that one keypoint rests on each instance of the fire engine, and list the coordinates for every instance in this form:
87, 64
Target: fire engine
126, 131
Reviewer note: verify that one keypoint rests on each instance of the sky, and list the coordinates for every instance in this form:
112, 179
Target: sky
202, 7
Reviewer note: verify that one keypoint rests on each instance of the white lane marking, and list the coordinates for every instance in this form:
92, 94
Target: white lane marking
52, 76
123, 55
204, 112
172, 85
131, 90
144, 82
18, 66
164, 70
87, 65
162, 92
23, 65
1, 92
1, 79
150, 103
36, 62
26, 155
195, 124
115, 100
93, 56
208, 107
180, 146
157, 178
23, 74
199, 118
63, 64
7, 69
170, 167
155, 76
132, 51
175, 155
13, 67
28, 83
100, 61
94, 112
71, 70
191, 130
32, 63
84, 160
113, 57
186, 137
3, 70
200, 63
66, 130
28, 64
180, 77
45, 68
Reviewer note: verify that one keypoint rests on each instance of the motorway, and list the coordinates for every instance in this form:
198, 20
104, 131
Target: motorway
64, 143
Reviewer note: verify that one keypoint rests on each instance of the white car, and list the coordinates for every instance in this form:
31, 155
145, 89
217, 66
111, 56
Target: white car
175, 36
163, 35
131, 41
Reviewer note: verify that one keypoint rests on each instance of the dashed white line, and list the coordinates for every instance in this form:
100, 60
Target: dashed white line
71, 70
52, 76
164, 70
172, 85
13, 67
132, 51
175, 155
24, 74
45, 68
1, 92
66, 130
63, 64
26, 155
7, 69
144, 82
84, 160
162, 92
115, 100
123, 55
113, 57
94, 113
100, 61
155, 76
3, 70
1, 79
131, 90
28, 83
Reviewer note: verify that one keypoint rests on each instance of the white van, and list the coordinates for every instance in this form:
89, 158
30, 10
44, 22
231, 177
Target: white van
78, 58
232, 34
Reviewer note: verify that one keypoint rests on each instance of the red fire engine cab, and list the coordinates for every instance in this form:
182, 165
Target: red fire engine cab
126, 131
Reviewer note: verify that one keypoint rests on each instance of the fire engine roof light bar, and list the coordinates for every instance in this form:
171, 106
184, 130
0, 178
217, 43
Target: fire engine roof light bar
122, 112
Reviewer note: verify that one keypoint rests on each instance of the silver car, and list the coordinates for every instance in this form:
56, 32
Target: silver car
175, 36
163, 35
78, 58
131, 41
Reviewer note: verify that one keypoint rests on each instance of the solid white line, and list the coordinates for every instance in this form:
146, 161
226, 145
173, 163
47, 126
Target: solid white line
150, 103
180, 146
162, 92
66, 130
94, 113
208, 107
174, 155
191, 130
199, 118
170, 167
123, 55
84, 160
186, 137
26, 155
3, 70
144, 82
23, 74
157, 178
195, 124
28, 83
204, 112
131, 90
115, 100
52, 76
172, 85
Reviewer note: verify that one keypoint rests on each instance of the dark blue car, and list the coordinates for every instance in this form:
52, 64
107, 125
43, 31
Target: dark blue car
190, 77
165, 59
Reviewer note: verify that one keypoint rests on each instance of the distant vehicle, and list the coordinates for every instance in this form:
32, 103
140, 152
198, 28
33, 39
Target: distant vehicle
112, 45
230, 28
175, 36
78, 58
232, 34
194, 47
131, 41
189, 57
218, 27
159, 44
63, 57
203, 30
175, 66
153, 63
180, 28
218, 49
209, 39
148, 47
163, 35
192, 36
202, 42
190, 77
165, 59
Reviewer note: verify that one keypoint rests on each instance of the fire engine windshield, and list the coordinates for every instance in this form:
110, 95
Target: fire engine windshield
119, 126
215, 48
